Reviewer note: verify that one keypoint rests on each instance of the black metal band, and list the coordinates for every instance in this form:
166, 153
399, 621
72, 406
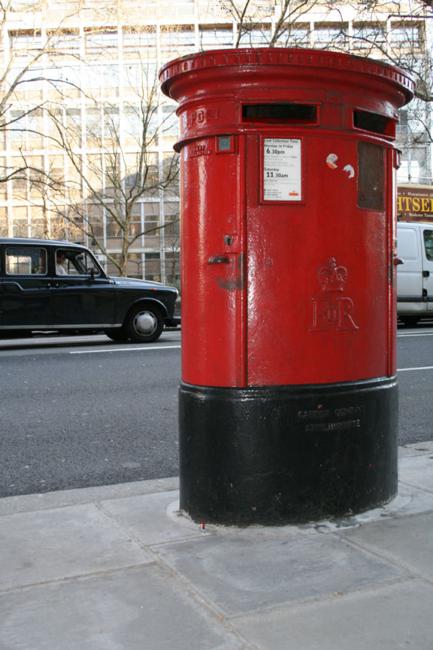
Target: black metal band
280, 454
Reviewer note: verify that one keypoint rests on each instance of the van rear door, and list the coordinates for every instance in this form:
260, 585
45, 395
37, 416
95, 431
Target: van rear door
427, 262
409, 274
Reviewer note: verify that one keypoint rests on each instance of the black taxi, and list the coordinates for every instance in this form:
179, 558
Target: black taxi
57, 285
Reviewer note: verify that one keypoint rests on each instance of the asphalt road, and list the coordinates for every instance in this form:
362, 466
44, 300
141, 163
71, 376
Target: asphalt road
76, 412
415, 377
87, 415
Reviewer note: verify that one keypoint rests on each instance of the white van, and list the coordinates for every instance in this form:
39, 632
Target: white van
415, 272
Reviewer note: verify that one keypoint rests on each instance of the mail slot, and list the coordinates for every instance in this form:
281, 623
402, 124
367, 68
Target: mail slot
288, 398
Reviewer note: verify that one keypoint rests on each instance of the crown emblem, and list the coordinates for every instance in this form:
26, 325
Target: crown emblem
332, 277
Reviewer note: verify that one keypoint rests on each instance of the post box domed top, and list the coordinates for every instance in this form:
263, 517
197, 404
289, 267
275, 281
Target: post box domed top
219, 71
219, 90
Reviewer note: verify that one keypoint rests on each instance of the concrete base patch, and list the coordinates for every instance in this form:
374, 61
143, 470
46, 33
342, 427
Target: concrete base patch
147, 517
386, 619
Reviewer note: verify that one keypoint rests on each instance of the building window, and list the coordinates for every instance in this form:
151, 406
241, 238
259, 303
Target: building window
414, 166
65, 40
368, 36
153, 266
4, 172
101, 39
172, 268
3, 223
20, 227
255, 36
332, 34
134, 266
294, 35
138, 39
169, 124
25, 39
94, 123
408, 35
177, 36
111, 123
68, 78
26, 5
215, 36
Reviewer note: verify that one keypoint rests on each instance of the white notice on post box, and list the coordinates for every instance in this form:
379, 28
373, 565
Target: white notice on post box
282, 169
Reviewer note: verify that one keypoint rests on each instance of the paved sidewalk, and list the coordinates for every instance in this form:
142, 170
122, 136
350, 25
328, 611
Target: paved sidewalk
117, 568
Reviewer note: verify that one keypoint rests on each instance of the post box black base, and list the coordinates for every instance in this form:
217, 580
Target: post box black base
287, 454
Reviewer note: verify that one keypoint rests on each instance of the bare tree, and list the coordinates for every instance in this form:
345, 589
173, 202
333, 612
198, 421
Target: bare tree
21, 68
112, 164
392, 31
398, 32
274, 20
112, 167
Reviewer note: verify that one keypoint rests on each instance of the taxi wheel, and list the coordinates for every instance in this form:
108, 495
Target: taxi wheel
144, 324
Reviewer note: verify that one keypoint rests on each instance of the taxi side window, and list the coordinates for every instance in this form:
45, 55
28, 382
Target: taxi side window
26, 260
71, 262
65, 263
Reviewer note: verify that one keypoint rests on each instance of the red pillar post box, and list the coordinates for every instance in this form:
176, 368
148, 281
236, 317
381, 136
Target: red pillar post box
288, 399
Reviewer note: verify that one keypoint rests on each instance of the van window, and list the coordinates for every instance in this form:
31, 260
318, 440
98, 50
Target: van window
428, 244
407, 246
26, 260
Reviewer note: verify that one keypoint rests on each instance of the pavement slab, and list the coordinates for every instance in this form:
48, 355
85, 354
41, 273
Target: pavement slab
55, 544
395, 616
152, 518
407, 541
418, 471
48, 500
136, 609
245, 572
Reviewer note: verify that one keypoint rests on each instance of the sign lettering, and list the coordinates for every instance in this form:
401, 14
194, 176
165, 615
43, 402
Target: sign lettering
415, 203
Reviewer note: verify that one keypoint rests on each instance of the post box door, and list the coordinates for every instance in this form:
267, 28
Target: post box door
212, 247
319, 264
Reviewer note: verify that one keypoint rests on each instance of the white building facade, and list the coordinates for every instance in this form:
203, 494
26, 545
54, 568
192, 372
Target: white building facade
94, 63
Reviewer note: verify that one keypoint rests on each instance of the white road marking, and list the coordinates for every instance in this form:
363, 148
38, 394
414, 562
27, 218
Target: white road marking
412, 369
132, 348
401, 336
